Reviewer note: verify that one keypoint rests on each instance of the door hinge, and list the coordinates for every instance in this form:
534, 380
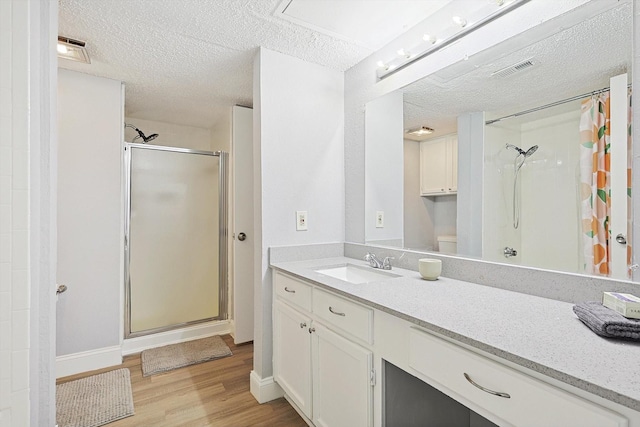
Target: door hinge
372, 377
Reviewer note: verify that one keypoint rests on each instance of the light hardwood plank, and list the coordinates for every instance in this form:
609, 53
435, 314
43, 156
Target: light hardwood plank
214, 393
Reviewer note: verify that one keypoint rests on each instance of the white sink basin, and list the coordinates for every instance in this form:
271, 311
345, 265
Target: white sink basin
356, 274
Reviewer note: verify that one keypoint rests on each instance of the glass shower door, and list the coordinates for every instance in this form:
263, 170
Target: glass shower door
174, 239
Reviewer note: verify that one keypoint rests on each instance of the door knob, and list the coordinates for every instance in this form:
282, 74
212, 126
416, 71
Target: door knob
621, 239
242, 237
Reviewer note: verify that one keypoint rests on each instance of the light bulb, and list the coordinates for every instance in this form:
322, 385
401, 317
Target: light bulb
62, 48
404, 53
459, 21
429, 39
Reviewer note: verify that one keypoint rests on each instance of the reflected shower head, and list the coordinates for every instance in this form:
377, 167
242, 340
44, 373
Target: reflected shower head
531, 150
520, 151
145, 138
154, 136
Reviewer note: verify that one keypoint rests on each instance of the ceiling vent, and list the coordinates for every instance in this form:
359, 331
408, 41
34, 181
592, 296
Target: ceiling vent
515, 68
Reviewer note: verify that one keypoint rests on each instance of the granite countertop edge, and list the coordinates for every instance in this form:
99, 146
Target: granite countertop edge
305, 270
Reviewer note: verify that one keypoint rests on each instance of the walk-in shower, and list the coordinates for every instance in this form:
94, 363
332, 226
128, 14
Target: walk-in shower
518, 162
175, 238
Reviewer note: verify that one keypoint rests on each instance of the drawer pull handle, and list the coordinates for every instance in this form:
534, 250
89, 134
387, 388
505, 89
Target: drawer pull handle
303, 325
291, 291
495, 393
337, 313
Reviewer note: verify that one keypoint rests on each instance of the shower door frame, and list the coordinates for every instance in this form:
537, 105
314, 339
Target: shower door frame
223, 234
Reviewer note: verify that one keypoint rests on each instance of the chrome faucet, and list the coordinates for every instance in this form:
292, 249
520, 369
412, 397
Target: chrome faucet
374, 262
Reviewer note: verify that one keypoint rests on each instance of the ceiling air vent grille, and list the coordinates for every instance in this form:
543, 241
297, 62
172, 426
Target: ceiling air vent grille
515, 68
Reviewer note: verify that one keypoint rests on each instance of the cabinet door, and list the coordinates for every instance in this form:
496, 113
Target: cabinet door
453, 162
292, 355
342, 389
434, 167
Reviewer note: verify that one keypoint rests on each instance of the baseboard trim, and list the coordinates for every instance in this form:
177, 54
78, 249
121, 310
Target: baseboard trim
264, 389
203, 330
71, 364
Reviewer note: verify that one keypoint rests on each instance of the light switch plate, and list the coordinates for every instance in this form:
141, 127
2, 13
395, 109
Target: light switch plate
301, 220
379, 219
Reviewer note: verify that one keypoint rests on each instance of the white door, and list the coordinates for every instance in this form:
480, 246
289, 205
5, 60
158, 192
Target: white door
342, 389
292, 355
242, 158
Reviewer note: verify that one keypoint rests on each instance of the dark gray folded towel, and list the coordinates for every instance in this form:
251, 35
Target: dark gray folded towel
606, 322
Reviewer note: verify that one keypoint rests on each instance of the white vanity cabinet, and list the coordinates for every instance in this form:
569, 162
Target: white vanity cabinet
292, 354
507, 396
317, 358
439, 166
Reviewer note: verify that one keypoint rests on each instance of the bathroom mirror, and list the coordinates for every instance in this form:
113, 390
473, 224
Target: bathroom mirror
528, 170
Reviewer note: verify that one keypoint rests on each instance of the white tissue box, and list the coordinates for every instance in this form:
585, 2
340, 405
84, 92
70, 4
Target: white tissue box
626, 304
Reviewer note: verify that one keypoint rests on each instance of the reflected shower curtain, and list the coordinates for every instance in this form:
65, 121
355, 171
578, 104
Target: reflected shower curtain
595, 182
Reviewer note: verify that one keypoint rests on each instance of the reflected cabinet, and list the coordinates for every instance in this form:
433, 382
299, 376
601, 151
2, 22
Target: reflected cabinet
439, 166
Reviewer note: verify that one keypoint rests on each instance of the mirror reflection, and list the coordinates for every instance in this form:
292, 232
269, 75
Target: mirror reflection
508, 154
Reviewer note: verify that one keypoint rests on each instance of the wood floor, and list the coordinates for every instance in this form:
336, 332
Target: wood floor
214, 393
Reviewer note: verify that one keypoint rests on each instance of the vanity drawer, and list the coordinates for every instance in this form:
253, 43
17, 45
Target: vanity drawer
346, 315
530, 403
292, 290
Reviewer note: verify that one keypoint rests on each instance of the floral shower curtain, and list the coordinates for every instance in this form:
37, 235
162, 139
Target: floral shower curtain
595, 182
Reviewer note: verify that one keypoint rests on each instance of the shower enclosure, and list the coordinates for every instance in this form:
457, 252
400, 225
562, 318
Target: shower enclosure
175, 238
545, 206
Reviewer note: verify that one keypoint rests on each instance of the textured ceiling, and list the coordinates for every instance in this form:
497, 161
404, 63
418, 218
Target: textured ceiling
577, 60
188, 61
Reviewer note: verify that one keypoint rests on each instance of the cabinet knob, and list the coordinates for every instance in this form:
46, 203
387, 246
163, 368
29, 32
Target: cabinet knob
311, 330
442, 189
303, 325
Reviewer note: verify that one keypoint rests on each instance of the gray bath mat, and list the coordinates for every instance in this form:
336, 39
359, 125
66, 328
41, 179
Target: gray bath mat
175, 356
94, 401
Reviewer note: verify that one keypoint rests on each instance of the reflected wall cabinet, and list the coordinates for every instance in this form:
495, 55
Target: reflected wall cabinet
439, 166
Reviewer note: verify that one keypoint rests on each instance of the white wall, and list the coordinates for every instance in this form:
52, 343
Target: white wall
27, 258
170, 134
550, 218
497, 226
384, 169
221, 134
14, 205
548, 234
418, 210
470, 188
89, 212
298, 137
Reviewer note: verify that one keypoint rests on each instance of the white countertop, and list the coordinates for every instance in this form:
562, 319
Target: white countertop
541, 334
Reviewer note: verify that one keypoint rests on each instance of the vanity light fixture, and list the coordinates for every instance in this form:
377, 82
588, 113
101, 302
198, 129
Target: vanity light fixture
418, 134
75, 50
449, 33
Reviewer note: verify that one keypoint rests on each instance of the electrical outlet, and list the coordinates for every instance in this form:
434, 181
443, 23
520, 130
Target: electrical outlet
301, 220
379, 219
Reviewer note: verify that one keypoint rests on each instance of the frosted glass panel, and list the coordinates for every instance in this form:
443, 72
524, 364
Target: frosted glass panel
173, 238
